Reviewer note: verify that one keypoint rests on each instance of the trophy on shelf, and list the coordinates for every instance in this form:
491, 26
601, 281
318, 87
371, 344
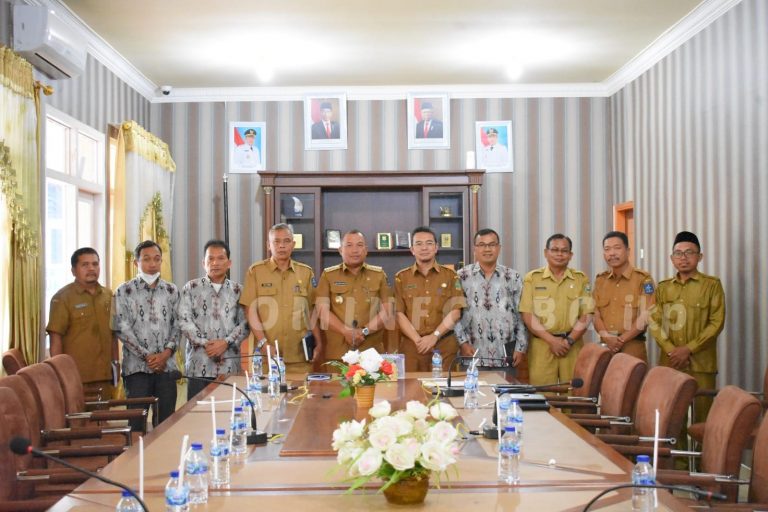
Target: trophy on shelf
445, 211
298, 207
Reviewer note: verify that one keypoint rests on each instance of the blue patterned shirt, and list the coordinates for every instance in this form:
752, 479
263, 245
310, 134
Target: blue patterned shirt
491, 318
204, 315
144, 318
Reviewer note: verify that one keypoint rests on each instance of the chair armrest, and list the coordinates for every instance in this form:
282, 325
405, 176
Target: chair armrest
562, 404
33, 505
121, 414
601, 423
146, 400
53, 476
65, 434
580, 416
86, 451
640, 450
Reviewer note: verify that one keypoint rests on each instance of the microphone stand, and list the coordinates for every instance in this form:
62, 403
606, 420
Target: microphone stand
18, 448
448, 391
709, 495
255, 436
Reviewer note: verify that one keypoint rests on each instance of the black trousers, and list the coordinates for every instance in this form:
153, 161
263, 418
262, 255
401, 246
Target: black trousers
160, 385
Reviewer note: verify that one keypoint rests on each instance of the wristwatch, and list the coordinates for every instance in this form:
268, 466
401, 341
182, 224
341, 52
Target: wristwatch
365, 331
261, 343
570, 341
436, 333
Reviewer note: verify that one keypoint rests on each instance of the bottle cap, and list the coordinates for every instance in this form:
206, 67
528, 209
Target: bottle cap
220, 431
126, 494
197, 446
643, 458
238, 409
174, 474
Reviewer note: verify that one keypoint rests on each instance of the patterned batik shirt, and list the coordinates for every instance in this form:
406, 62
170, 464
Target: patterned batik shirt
144, 318
491, 318
204, 315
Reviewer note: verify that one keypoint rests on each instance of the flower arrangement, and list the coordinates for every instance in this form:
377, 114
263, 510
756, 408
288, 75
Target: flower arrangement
409, 443
363, 369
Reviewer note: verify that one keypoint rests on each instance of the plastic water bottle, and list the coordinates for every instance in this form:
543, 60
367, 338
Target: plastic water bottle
253, 390
219, 459
515, 418
437, 364
509, 456
128, 503
503, 416
281, 369
274, 381
176, 498
470, 392
196, 467
642, 474
256, 369
238, 427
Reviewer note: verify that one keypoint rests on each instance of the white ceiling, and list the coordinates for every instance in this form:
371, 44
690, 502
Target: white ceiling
204, 47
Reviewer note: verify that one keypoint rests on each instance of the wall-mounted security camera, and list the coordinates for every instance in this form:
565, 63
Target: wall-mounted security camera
166, 89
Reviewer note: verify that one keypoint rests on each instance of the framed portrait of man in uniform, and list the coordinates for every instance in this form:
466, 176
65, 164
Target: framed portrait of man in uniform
325, 121
493, 146
247, 142
429, 121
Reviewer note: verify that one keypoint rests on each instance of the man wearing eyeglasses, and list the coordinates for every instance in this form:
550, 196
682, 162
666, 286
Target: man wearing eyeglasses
491, 322
688, 316
428, 301
278, 296
556, 306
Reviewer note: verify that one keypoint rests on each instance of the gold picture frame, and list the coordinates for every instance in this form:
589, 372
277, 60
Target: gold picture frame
298, 240
384, 241
445, 240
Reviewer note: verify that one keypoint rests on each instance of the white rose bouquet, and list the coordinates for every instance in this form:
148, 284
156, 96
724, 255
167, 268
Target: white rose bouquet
410, 443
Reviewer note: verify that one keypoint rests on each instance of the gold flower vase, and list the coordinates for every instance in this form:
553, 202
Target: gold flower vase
408, 491
364, 396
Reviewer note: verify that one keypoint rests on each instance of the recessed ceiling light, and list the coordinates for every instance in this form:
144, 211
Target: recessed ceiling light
514, 70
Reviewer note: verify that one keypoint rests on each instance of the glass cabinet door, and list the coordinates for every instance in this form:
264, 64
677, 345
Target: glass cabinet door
446, 212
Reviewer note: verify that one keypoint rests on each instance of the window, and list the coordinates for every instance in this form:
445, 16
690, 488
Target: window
75, 200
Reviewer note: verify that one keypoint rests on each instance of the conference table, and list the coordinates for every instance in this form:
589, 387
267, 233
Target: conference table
562, 466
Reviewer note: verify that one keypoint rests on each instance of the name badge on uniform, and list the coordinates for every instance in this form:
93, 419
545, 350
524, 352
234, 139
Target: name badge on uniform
541, 287
340, 283
410, 286
81, 306
266, 285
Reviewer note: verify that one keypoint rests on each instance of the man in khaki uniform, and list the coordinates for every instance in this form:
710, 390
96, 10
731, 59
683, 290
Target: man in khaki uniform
278, 296
623, 295
428, 301
556, 306
354, 301
79, 323
688, 316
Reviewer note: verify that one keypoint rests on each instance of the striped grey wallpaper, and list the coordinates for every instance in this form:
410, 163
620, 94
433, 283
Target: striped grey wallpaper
561, 182
690, 147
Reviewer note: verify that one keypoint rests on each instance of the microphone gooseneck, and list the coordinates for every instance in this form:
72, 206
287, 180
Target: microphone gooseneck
708, 495
22, 446
448, 391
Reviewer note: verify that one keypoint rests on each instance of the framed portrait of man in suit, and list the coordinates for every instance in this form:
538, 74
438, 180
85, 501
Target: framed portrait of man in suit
247, 142
325, 121
429, 121
493, 146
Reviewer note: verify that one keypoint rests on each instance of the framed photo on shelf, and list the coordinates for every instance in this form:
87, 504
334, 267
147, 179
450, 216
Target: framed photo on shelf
333, 238
493, 145
402, 240
298, 240
429, 121
384, 241
325, 121
247, 142
445, 240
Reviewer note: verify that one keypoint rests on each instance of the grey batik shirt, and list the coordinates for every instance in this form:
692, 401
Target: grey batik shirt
491, 318
205, 315
144, 318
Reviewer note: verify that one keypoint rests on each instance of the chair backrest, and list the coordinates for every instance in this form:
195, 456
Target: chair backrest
13, 361
590, 367
621, 384
50, 398
29, 405
13, 424
765, 384
758, 489
69, 378
671, 392
729, 426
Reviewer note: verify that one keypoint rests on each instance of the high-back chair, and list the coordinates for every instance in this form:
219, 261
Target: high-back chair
730, 423
13, 361
590, 367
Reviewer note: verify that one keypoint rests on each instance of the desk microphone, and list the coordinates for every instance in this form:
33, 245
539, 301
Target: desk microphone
708, 495
22, 446
255, 436
527, 388
448, 391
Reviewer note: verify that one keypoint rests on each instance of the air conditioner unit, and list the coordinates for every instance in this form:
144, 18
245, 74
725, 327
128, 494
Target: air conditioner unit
50, 45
